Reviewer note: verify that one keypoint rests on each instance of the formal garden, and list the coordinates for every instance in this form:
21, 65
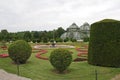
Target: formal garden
38, 66
97, 59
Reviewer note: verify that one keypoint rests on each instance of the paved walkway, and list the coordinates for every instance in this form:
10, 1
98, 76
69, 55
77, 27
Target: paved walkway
50, 46
8, 76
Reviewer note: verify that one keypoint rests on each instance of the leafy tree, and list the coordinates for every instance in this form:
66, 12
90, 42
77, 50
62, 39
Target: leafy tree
20, 35
45, 39
36, 35
59, 40
59, 32
27, 36
4, 35
0, 36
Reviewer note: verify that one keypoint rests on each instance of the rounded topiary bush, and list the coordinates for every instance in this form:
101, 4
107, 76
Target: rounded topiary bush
104, 44
61, 59
19, 51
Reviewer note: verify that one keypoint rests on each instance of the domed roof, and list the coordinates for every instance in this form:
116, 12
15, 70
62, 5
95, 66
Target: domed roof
85, 26
73, 26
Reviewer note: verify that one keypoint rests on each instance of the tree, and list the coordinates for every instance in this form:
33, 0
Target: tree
45, 39
59, 32
4, 34
44, 36
0, 36
35, 36
27, 36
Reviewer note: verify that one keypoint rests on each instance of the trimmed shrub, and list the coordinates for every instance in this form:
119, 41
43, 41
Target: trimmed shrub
73, 40
66, 40
60, 59
19, 51
104, 44
34, 41
38, 41
59, 40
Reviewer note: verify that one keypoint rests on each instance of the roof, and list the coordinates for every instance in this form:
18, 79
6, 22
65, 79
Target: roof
73, 26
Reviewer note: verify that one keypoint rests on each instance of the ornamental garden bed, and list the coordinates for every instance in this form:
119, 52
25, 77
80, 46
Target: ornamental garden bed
4, 55
37, 69
38, 55
82, 51
4, 47
79, 59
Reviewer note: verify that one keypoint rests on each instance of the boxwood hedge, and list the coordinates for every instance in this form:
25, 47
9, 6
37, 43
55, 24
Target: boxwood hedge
104, 45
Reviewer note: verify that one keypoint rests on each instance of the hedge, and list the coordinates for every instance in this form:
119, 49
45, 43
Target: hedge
104, 45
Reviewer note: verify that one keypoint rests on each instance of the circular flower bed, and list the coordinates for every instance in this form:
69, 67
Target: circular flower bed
4, 55
38, 55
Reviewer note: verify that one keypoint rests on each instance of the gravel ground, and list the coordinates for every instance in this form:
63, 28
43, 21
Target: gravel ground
117, 77
50, 46
8, 76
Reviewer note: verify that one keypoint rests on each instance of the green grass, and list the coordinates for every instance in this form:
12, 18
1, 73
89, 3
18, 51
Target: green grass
38, 69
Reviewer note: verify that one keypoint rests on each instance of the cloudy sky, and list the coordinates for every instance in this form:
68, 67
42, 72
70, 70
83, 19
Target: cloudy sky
22, 15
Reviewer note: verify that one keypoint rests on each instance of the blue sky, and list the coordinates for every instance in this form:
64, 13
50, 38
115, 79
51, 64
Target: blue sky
22, 15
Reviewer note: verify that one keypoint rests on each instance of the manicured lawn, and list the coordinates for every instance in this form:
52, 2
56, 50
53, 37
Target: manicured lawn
38, 69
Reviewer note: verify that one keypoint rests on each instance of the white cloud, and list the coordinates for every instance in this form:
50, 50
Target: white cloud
20, 15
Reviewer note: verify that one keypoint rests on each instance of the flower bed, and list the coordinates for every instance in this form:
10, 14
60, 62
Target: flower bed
4, 47
79, 59
81, 51
38, 55
4, 55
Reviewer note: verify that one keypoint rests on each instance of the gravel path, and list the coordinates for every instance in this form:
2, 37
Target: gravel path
117, 77
8, 76
50, 46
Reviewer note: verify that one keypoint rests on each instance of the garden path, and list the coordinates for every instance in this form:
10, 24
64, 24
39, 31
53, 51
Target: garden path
117, 77
8, 76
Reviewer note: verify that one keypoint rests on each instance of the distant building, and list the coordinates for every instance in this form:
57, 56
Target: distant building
78, 33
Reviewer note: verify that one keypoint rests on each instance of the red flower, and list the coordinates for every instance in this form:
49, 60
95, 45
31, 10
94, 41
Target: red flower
4, 55
38, 55
81, 51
